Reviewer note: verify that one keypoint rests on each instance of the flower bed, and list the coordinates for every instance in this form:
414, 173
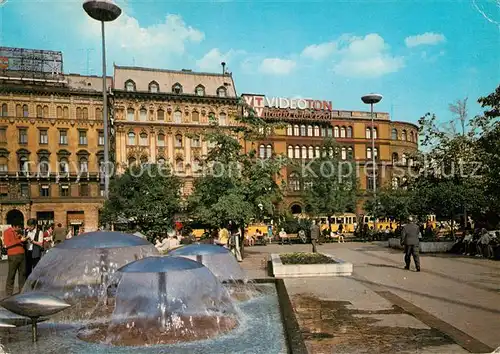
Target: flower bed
305, 258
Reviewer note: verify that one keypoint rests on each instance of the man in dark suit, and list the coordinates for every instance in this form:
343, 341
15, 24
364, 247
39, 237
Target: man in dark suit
410, 239
314, 235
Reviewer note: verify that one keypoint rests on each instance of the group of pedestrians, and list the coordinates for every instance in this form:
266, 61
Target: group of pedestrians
25, 248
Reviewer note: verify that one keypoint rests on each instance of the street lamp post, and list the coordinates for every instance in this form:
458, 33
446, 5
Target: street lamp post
372, 99
103, 11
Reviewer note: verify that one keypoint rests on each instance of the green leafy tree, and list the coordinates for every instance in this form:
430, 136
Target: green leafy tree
331, 184
149, 195
398, 204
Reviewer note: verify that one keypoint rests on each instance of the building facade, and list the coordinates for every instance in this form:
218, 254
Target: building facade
310, 122
51, 147
162, 116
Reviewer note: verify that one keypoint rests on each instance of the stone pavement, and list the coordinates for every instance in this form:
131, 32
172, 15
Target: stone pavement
451, 306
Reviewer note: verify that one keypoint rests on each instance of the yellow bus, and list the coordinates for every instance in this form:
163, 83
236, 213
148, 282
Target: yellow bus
348, 220
391, 222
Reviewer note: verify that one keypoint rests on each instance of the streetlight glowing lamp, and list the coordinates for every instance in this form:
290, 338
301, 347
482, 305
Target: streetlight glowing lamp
371, 99
103, 11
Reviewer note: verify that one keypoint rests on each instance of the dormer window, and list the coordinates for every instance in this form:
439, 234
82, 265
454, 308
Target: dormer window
177, 88
200, 90
154, 87
221, 91
129, 86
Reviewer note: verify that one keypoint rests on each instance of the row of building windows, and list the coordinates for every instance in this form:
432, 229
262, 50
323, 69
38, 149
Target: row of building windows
176, 118
315, 130
412, 137
161, 141
45, 190
43, 136
310, 152
177, 88
43, 111
178, 165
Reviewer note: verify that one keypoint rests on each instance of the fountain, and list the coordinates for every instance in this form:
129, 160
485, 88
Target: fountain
83, 266
162, 300
218, 259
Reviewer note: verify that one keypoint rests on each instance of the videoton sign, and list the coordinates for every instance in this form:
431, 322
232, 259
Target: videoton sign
279, 107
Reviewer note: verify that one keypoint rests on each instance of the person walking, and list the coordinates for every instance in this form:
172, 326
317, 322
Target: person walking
314, 235
59, 234
34, 248
13, 242
410, 240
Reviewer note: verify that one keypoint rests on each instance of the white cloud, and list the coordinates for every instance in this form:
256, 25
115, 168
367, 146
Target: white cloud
319, 51
367, 57
428, 38
212, 60
277, 66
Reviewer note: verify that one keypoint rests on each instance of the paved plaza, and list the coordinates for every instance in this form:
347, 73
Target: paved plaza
452, 306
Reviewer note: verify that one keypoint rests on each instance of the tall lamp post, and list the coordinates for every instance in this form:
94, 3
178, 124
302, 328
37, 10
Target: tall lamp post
371, 99
104, 11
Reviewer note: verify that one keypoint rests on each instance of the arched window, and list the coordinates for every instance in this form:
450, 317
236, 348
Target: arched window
342, 132
195, 141
316, 130
161, 140
394, 134
304, 152
143, 115
160, 114
303, 131
154, 87
221, 91
349, 132
289, 130
412, 138
195, 116
368, 133
178, 141
63, 165
350, 153
5, 111
404, 159
262, 151
375, 133
269, 150
395, 183
131, 138
59, 112
403, 135
179, 165
23, 164
294, 182
222, 119
130, 114
200, 90
43, 166
177, 88
65, 112
131, 161
375, 153
85, 113
296, 130
336, 132
329, 132
343, 154
297, 152
178, 117
318, 152
98, 113
311, 152
143, 139
129, 86
395, 157
26, 111
410, 161
368, 153
39, 111
290, 151
84, 164
309, 130
78, 113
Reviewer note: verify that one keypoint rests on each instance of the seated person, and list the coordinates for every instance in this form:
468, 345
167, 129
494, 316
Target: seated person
283, 236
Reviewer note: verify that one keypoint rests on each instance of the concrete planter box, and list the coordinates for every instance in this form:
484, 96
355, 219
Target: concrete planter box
281, 270
425, 247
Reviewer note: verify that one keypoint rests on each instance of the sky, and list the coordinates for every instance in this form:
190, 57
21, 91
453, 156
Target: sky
420, 55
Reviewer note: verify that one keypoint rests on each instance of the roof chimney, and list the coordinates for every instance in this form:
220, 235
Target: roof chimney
223, 68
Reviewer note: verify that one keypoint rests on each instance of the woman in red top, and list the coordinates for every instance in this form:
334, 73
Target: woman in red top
13, 242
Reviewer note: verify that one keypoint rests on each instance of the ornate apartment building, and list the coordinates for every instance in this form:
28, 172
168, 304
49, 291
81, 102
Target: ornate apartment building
309, 122
51, 146
162, 115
